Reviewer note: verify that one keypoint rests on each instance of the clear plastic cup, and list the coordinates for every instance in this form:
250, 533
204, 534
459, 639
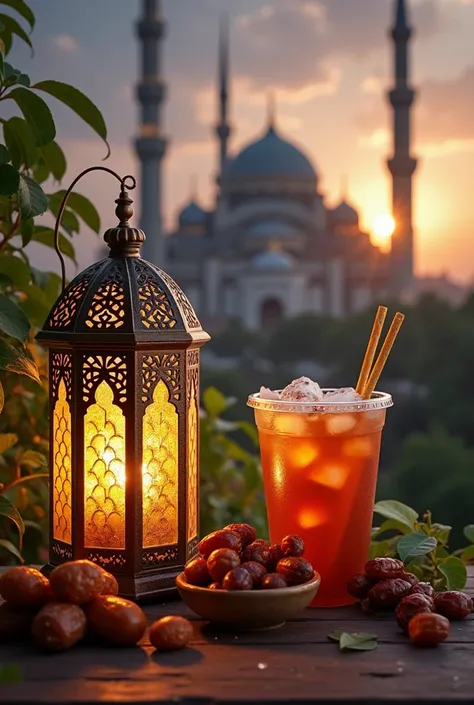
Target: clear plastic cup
320, 464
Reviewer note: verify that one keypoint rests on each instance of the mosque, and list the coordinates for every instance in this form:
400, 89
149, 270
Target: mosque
270, 248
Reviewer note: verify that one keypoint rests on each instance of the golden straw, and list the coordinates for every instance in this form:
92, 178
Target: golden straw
383, 355
371, 348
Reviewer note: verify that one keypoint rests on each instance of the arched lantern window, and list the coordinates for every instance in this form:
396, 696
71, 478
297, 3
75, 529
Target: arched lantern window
124, 345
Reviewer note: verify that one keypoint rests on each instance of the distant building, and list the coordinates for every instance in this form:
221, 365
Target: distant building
270, 247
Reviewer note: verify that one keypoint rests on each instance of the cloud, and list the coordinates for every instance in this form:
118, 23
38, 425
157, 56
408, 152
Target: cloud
66, 43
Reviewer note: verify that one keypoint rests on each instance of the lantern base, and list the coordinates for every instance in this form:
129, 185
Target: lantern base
140, 588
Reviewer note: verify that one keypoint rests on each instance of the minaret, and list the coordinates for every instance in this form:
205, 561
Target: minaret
402, 165
223, 128
150, 144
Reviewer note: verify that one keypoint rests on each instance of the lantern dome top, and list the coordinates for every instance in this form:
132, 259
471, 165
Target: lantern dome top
123, 298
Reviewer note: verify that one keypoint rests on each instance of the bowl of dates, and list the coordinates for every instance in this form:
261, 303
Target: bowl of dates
244, 583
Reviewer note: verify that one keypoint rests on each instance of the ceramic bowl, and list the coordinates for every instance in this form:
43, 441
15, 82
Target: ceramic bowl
248, 610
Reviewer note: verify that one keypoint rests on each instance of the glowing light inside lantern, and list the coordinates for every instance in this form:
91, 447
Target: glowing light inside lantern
160, 470
62, 467
104, 491
192, 464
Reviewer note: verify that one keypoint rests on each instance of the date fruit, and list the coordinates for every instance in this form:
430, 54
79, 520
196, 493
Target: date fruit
453, 604
428, 629
25, 587
276, 554
246, 532
111, 586
215, 586
256, 552
295, 570
77, 582
220, 562
15, 622
256, 570
219, 539
384, 568
359, 586
237, 579
411, 605
410, 578
116, 620
292, 545
170, 633
272, 581
58, 626
422, 589
388, 593
196, 572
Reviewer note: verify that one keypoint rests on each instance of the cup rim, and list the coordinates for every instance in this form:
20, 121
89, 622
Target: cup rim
378, 400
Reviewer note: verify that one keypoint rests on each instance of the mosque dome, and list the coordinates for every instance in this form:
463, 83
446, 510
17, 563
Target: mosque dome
272, 228
272, 259
271, 157
192, 214
345, 214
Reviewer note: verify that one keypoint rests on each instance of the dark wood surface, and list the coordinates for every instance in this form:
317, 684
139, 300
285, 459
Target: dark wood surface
294, 664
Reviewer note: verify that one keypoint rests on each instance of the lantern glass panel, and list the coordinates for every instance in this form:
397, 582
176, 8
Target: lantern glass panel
160, 470
62, 467
192, 460
104, 468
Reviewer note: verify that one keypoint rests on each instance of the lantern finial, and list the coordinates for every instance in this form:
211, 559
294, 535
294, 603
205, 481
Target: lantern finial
124, 240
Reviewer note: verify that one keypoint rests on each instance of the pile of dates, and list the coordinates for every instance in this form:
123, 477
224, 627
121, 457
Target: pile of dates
420, 612
79, 599
234, 559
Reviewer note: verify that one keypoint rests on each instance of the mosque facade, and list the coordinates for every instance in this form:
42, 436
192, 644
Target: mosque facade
270, 247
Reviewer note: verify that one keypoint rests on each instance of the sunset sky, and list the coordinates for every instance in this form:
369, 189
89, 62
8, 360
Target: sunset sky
329, 62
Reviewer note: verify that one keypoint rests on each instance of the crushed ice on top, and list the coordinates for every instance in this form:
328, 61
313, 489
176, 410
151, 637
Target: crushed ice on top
304, 389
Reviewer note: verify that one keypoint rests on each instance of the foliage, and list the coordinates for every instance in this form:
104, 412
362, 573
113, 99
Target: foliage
354, 641
31, 164
421, 545
231, 482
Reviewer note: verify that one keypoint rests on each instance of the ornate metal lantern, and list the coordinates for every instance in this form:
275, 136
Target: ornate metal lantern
124, 403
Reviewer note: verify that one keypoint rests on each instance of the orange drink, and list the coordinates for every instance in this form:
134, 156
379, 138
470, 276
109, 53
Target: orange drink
320, 463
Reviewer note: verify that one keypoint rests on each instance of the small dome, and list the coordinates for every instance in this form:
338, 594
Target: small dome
192, 214
271, 157
345, 214
272, 259
272, 228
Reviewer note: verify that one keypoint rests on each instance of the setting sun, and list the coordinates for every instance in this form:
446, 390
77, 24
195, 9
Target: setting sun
382, 229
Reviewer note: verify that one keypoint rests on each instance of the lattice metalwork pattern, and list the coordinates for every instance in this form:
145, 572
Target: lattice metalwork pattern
63, 314
156, 311
104, 467
182, 300
107, 308
62, 512
165, 366
160, 470
192, 469
97, 368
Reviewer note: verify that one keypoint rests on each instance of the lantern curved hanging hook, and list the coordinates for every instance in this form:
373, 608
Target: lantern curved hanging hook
123, 184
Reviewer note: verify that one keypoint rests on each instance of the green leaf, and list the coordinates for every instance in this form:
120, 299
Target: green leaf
2, 398
23, 80
469, 532
69, 220
9, 546
40, 172
392, 525
335, 635
33, 459
9, 180
441, 532
413, 545
2, 65
13, 321
79, 103
14, 361
7, 441
6, 40
31, 197
415, 568
22, 8
454, 571
36, 113
13, 143
7, 509
27, 228
46, 237
23, 137
84, 209
16, 270
392, 509
354, 641
214, 402
10, 674
13, 27
4, 154
467, 554
54, 159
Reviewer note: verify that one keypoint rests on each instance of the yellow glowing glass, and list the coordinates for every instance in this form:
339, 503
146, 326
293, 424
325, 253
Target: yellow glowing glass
160, 470
104, 491
192, 465
62, 467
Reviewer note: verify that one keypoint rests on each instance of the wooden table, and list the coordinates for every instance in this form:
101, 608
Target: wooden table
294, 664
